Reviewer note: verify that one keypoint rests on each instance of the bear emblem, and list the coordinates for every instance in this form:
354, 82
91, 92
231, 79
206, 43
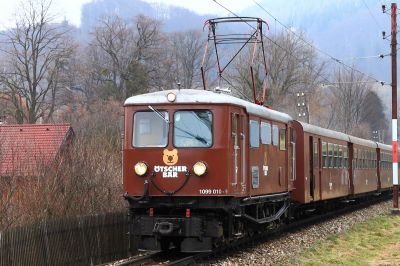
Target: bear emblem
170, 157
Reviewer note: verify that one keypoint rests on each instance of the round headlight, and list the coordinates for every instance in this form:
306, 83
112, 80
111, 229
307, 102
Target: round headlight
141, 168
200, 168
171, 97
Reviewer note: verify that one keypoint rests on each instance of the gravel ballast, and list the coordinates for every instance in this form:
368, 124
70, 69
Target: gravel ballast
283, 247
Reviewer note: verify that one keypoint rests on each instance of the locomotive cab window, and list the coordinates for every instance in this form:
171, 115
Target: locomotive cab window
265, 133
254, 134
149, 129
193, 128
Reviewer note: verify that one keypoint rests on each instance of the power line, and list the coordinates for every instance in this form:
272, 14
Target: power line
372, 15
366, 57
310, 44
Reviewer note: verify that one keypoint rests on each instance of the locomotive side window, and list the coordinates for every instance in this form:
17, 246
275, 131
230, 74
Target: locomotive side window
193, 129
254, 134
275, 135
149, 129
282, 139
324, 155
265, 133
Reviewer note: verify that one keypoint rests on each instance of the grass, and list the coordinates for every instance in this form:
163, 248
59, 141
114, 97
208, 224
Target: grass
375, 242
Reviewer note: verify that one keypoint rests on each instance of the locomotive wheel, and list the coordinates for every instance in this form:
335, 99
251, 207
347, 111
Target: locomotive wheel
165, 244
177, 243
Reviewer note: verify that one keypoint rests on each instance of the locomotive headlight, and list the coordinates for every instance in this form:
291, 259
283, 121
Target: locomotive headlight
200, 168
171, 97
141, 168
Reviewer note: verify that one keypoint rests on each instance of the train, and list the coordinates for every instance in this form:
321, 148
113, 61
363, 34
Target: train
202, 169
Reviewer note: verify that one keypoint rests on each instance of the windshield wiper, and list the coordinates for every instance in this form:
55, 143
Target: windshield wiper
196, 137
159, 114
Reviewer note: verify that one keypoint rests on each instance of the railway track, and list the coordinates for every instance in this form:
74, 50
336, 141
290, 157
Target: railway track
175, 258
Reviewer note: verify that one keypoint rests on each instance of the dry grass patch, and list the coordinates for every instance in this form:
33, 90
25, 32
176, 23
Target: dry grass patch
375, 242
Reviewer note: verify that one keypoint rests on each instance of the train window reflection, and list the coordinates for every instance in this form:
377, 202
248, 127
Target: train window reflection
149, 129
193, 128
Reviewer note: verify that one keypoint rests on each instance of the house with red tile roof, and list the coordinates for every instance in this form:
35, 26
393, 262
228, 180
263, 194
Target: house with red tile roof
25, 148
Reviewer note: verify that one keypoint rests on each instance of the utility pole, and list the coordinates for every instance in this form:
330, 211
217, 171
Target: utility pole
394, 112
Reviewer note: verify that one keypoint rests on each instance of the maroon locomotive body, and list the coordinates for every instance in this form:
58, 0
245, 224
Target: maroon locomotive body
202, 169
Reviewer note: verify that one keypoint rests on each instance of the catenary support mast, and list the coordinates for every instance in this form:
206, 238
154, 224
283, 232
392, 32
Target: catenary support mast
394, 111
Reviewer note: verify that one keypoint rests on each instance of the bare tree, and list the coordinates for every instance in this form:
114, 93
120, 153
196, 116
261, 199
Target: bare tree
292, 66
347, 99
36, 51
120, 52
187, 49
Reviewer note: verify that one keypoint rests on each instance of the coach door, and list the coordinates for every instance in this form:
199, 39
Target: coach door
314, 166
238, 151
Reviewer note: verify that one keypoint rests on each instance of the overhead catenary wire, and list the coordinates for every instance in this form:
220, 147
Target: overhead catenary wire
311, 45
366, 57
372, 15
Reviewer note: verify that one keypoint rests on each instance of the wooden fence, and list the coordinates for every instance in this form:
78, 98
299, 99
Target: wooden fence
88, 240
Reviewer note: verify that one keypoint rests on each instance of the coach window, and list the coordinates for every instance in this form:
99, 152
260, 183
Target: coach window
364, 159
193, 128
254, 134
282, 139
340, 155
355, 154
324, 155
315, 157
335, 155
330, 155
374, 156
370, 160
275, 135
345, 156
265, 133
150, 129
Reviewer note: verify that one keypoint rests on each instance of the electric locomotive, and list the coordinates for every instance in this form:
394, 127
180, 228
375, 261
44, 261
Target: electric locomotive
202, 169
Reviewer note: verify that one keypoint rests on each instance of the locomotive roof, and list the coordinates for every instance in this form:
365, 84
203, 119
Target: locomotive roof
185, 96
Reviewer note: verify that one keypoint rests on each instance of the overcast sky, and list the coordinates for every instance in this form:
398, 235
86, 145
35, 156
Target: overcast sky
71, 9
